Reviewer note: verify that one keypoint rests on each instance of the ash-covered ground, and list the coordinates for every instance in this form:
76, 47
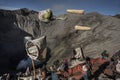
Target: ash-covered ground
62, 38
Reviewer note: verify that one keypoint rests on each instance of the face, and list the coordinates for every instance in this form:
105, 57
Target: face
43, 73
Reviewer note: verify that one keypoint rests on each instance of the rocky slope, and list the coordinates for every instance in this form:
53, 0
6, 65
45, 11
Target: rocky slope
61, 36
117, 16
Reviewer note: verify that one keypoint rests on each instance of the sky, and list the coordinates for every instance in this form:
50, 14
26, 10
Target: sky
106, 7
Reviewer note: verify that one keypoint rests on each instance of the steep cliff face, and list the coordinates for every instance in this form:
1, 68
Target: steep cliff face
61, 36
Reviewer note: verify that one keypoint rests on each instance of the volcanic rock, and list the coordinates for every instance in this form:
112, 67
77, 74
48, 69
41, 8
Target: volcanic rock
62, 38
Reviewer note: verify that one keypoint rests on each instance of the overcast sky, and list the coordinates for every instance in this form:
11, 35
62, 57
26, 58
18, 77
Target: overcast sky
107, 7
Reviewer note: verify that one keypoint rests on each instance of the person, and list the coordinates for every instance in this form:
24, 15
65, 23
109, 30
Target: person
8, 77
118, 66
66, 65
84, 72
45, 15
56, 63
38, 74
104, 54
113, 67
48, 14
43, 74
54, 76
78, 54
89, 67
27, 72
89, 63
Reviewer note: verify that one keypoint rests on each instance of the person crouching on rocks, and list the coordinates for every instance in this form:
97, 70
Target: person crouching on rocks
104, 55
89, 67
86, 72
66, 65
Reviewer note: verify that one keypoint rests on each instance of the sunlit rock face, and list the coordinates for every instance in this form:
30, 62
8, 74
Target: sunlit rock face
62, 38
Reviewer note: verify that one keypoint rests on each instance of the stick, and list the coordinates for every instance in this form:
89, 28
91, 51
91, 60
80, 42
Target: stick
33, 65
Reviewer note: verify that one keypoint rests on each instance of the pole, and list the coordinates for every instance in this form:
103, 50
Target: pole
33, 65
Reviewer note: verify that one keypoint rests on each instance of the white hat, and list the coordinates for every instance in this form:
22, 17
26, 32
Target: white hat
84, 68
